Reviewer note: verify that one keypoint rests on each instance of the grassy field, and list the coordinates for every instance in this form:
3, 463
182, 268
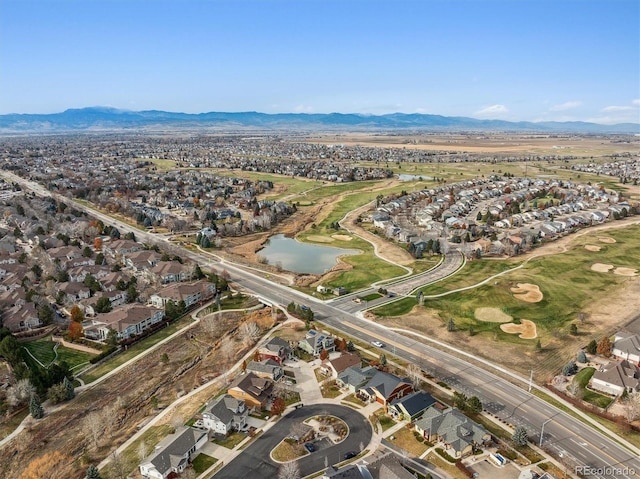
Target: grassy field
134, 350
202, 462
42, 349
566, 281
406, 439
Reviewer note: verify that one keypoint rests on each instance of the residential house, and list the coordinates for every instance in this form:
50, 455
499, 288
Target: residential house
385, 387
74, 292
385, 465
21, 317
142, 260
268, 368
457, 432
226, 414
276, 349
127, 321
190, 293
616, 377
333, 367
315, 341
627, 346
173, 454
355, 378
121, 247
253, 390
172, 272
412, 406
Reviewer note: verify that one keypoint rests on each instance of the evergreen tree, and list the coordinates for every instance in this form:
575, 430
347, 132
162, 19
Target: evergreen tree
35, 407
451, 325
92, 473
592, 347
68, 386
520, 436
582, 357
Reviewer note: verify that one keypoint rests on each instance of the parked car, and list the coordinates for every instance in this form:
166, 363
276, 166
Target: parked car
309, 447
377, 344
350, 454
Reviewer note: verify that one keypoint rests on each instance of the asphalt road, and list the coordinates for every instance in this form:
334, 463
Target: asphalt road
567, 438
255, 461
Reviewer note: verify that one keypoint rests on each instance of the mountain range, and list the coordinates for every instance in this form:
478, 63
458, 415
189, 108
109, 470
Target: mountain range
112, 119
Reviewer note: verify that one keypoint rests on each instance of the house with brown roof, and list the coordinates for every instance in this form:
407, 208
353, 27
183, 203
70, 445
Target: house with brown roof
172, 272
333, 367
127, 321
22, 317
190, 293
253, 390
121, 247
142, 260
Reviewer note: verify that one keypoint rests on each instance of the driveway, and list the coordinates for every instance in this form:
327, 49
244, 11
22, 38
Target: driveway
255, 461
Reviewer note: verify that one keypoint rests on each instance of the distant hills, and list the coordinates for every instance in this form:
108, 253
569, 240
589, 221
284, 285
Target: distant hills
112, 119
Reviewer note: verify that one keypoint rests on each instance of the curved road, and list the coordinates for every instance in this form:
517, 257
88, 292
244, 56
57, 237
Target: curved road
255, 461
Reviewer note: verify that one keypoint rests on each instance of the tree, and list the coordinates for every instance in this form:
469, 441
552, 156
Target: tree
538, 345
75, 330
249, 332
414, 373
97, 243
94, 425
103, 305
57, 393
631, 406
164, 359
45, 314
289, 470
278, 406
92, 473
324, 354
592, 347
460, 400
197, 272
52, 465
520, 436
69, 389
604, 347
451, 325
112, 337
569, 369
87, 252
582, 357
573, 329
474, 405
76, 313
35, 407
383, 359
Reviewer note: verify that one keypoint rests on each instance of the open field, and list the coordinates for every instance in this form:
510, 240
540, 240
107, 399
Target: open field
42, 349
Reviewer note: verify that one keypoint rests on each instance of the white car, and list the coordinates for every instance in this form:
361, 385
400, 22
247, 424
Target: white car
377, 344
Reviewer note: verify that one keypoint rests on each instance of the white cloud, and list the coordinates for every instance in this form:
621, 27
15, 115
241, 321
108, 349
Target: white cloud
492, 110
617, 108
303, 109
636, 102
566, 106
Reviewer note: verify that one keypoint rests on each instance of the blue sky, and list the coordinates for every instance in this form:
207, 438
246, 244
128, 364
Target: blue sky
508, 59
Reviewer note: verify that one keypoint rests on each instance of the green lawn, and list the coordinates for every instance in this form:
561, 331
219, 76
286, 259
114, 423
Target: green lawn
42, 349
592, 397
232, 440
136, 349
202, 462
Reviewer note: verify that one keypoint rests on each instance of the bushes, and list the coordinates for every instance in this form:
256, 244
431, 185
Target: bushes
445, 455
103, 355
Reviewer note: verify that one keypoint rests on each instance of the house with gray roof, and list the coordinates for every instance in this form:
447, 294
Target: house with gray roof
355, 378
627, 346
385, 387
457, 432
173, 453
268, 368
225, 415
315, 341
616, 377
412, 406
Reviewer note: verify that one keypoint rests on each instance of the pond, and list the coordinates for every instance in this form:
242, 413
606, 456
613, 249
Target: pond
414, 177
300, 257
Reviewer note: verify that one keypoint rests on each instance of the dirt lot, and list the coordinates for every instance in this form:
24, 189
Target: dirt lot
191, 363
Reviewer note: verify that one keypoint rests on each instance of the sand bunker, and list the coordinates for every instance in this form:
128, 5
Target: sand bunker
526, 330
606, 239
527, 292
492, 315
342, 237
319, 239
625, 271
601, 268
592, 247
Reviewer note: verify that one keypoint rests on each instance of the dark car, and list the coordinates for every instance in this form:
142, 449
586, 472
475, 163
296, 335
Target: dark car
309, 447
350, 454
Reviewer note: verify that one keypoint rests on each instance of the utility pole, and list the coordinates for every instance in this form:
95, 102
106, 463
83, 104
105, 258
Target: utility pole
530, 380
542, 432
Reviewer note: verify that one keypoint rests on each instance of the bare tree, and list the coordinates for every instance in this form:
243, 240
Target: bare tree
249, 333
117, 466
631, 407
143, 450
20, 393
289, 470
94, 425
211, 324
414, 373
